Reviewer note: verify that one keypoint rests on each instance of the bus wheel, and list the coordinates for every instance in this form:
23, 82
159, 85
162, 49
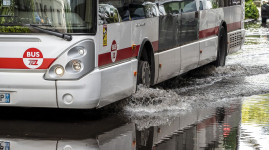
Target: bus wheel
144, 75
222, 48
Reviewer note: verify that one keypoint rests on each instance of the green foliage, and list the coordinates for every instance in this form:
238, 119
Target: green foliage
14, 29
251, 11
9, 11
256, 110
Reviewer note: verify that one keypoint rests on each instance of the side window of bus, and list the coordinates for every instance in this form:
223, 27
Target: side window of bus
201, 6
208, 4
137, 11
124, 12
172, 8
162, 10
189, 6
151, 9
108, 14
211, 4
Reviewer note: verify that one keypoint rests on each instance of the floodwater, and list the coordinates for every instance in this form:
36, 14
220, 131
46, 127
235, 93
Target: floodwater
209, 108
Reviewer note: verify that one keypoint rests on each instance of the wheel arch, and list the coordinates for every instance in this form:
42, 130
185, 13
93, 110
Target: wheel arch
223, 24
147, 45
221, 43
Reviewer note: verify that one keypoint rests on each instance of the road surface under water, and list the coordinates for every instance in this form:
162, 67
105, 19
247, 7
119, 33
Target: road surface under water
209, 108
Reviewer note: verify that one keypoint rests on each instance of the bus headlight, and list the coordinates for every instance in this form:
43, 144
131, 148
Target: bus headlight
74, 63
81, 51
77, 66
59, 71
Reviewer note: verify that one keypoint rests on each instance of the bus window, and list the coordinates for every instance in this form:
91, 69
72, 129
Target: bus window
151, 9
189, 6
124, 12
59, 17
201, 6
51, 13
214, 3
172, 8
162, 10
137, 11
108, 14
64, 16
209, 4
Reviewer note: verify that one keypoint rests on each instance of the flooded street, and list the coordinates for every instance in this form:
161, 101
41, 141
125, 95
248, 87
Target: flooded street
208, 108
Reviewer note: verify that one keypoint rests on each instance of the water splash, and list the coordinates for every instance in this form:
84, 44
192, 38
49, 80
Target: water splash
206, 87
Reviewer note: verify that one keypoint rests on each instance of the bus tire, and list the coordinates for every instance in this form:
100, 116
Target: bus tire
222, 48
144, 75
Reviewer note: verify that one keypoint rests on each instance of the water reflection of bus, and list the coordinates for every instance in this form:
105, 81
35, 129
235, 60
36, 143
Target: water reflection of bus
201, 129
88, 53
204, 129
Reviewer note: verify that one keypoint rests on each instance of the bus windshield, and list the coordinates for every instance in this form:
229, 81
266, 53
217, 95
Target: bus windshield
63, 16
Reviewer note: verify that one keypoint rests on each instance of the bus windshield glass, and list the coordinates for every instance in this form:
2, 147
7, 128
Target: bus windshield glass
63, 16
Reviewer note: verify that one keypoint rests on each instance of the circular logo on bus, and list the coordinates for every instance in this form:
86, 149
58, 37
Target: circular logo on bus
33, 58
114, 49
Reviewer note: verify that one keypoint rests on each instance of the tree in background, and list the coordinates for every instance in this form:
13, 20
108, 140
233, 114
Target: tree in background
6, 11
9, 15
251, 11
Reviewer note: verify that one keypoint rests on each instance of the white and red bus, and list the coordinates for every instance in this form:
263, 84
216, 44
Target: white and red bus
89, 53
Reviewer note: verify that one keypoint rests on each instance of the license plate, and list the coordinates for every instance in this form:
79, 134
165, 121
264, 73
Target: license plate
4, 145
4, 98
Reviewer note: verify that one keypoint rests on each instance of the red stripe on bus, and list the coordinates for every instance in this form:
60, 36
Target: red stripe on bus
155, 46
214, 31
104, 59
17, 63
47, 62
233, 26
208, 32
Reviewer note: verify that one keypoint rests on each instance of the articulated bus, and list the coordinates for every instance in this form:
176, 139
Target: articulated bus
84, 54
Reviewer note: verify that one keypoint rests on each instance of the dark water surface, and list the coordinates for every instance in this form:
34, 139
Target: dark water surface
223, 108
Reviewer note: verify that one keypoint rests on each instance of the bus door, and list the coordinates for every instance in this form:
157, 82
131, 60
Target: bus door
189, 31
189, 22
207, 35
144, 16
169, 25
169, 34
114, 49
139, 22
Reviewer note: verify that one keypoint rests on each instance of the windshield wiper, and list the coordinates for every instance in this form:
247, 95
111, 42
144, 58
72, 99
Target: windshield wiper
58, 34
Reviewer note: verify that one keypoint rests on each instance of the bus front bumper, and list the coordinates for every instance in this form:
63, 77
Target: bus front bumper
29, 89
80, 94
